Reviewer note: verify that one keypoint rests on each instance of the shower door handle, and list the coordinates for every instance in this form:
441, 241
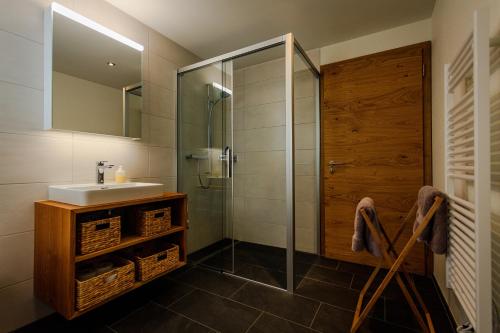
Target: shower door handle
228, 157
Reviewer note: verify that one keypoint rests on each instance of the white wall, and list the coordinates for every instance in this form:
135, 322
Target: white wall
86, 106
380, 41
31, 159
452, 22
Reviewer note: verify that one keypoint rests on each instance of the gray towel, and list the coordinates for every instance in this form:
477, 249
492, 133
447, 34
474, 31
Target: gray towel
362, 238
436, 233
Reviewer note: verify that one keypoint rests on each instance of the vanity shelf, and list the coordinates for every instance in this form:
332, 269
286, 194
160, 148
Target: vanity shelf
56, 256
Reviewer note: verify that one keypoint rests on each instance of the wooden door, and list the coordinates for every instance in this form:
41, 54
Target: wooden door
376, 128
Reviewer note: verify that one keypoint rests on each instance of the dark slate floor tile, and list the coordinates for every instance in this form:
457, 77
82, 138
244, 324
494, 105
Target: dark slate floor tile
324, 274
168, 292
392, 290
354, 268
209, 250
263, 249
117, 309
269, 323
399, 312
211, 281
224, 261
153, 318
280, 303
328, 293
219, 313
314, 259
57, 324
331, 319
264, 275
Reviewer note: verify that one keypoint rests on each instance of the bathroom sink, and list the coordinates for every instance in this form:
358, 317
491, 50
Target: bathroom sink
93, 194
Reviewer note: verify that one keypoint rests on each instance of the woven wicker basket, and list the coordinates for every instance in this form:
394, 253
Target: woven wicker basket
97, 235
151, 262
152, 222
97, 289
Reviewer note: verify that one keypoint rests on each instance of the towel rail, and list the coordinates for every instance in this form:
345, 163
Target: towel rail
467, 153
463, 211
460, 55
462, 202
465, 142
460, 176
468, 308
463, 103
467, 239
464, 220
462, 168
463, 134
466, 281
461, 126
469, 233
461, 151
463, 268
462, 116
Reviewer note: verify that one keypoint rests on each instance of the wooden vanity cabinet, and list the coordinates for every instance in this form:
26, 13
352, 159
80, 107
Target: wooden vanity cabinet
56, 254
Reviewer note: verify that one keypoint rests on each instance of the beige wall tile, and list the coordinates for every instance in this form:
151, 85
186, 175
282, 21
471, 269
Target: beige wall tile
265, 210
265, 163
305, 110
27, 158
133, 157
21, 61
305, 188
162, 132
16, 206
161, 102
16, 258
305, 240
265, 71
305, 136
264, 186
20, 107
266, 115
162, 162
26, 22
162, 72
265, 139
304, 84
265, 92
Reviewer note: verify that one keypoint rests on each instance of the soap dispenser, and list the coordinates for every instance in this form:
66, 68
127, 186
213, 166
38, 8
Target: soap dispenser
120, 175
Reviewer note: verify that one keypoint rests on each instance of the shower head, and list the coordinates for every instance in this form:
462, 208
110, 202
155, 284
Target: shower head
225, 92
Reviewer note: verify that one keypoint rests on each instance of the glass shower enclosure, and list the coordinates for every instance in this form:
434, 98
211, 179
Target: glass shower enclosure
248, 158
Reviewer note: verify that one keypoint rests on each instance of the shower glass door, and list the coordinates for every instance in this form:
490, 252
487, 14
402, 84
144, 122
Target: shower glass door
244, 145
203, 162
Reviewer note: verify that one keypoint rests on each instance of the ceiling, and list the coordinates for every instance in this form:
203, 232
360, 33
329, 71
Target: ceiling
84, 53
212, 27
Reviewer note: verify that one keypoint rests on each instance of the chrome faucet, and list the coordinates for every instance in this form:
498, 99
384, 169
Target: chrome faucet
100, 167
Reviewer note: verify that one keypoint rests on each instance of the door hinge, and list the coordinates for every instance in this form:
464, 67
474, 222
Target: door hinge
423, 70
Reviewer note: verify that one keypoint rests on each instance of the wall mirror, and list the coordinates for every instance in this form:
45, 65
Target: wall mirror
93, 76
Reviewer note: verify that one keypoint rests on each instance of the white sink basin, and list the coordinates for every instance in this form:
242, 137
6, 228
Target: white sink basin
93, 194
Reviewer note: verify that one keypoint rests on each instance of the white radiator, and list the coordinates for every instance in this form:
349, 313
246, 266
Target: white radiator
467, 174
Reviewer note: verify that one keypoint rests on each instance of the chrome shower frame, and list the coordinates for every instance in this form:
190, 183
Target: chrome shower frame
291, 45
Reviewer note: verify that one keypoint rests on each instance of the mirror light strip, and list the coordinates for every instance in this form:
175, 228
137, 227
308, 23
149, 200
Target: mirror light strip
95, 26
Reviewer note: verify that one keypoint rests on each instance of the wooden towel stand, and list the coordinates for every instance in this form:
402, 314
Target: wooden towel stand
395, 261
